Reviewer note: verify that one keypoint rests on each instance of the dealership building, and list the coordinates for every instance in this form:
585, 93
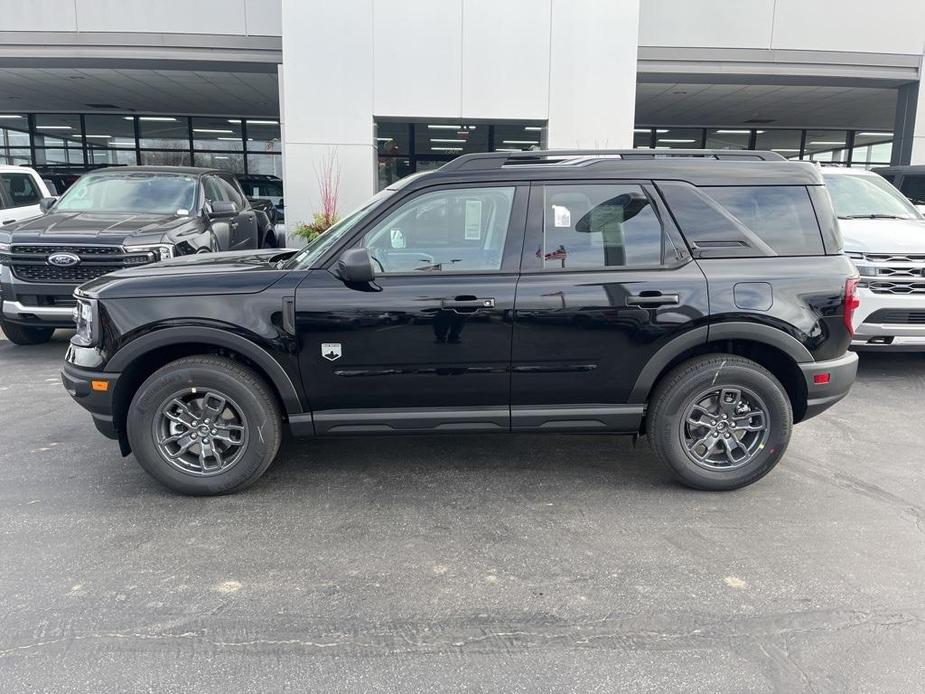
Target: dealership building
384, 88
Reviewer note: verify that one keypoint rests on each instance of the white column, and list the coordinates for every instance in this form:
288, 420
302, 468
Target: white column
918, 131
592, 73
326, 103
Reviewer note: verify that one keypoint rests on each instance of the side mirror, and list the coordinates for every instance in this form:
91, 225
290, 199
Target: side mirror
46, 204
354, 266
222, 208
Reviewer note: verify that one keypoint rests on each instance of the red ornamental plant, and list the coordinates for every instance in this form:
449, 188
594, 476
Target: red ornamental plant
328, 177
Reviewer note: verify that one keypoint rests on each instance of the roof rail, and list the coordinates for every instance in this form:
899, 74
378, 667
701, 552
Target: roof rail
495, 160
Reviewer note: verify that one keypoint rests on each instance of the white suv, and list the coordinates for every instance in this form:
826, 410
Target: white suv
885, 238
21, 191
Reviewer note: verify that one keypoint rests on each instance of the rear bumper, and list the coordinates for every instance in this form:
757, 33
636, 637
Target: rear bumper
99, 403
841, 373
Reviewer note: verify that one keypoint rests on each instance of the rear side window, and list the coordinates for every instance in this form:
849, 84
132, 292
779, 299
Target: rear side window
596, 226
913, 187
20, 189
745, 221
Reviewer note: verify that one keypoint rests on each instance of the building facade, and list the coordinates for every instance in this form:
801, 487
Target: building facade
383, 88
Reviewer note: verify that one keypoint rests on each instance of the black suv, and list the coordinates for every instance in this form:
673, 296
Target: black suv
116, 218
699, 298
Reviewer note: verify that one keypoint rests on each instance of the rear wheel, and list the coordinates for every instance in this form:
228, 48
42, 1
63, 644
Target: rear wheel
26, 335
205, 425
720, 422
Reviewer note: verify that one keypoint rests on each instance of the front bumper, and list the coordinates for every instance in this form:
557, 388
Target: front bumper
872, 333
40, 316
79, 383
839, 375
46, 305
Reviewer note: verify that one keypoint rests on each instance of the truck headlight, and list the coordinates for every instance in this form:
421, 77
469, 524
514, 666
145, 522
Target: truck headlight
5, 250
161, 251
86, 319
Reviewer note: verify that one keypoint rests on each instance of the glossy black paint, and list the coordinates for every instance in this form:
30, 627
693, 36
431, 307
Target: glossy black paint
522, 348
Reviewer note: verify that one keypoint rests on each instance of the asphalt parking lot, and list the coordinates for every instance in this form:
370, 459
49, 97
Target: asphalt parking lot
464, 564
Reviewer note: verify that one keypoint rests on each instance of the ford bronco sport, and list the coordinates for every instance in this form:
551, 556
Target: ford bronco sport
700, 298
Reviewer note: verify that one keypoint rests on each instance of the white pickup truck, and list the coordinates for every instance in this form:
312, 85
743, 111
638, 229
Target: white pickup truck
21, 190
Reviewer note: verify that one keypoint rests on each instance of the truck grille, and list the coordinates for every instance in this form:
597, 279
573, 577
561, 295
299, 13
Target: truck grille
890, 273
896, 316
29, 263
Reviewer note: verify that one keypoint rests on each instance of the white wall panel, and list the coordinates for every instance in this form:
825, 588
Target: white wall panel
893, 26
711, 23
180, 16
418, 57
263, 17
505, 58
592, 81
37, 15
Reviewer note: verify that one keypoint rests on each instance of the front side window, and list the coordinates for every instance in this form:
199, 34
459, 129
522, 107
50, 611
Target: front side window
914, 189
459, 230
596, 226
861, 197
20, 189
143, 193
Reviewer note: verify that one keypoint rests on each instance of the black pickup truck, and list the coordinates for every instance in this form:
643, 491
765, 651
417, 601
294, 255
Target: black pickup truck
114, 219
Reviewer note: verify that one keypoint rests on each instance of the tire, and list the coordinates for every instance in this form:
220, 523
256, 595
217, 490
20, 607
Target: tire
200, 383
25, 335
694, 403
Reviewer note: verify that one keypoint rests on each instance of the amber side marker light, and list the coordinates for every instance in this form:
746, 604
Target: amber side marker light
101, 386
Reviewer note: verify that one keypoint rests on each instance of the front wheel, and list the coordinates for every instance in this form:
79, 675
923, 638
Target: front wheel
720, 422
205, 425
26, 335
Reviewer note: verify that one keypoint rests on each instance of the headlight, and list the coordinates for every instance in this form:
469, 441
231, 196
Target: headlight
161, 251
5, 250
864, 269
87, 321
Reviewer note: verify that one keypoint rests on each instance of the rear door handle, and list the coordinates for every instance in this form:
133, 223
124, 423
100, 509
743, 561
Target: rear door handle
653, 298
467, 303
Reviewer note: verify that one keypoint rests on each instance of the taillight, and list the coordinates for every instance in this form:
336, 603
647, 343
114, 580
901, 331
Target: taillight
851, 303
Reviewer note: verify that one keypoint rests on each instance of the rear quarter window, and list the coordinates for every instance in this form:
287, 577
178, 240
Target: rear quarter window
745, 221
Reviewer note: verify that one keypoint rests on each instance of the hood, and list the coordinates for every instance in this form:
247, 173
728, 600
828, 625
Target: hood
92, 227
232, 272
883, 235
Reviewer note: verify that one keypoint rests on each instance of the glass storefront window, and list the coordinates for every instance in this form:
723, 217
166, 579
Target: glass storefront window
785, 142
165, 158
642, 138
678, 138
728, 138
393, 138
826, 145
517, 137
449, 139
262, 135
14, 139
217, 133
269, 164
392, 169
872, 148
227, 161
162, 132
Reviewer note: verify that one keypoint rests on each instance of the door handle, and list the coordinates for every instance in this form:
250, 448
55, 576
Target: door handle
467, 303
8, 221
653, 298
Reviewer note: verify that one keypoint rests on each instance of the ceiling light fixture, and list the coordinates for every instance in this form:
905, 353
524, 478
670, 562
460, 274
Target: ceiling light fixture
53, 127
445, 127
211, 130
9, 116
152, 118
519, 142
105, 137
827, 142
229, 139
441, 139
447, 149
783, 149
876, 134
533, 128
665, 139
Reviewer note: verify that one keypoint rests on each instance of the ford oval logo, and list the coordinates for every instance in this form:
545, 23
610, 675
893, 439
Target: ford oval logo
63, 259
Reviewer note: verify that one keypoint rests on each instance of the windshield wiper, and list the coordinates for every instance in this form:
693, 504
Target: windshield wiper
873, 216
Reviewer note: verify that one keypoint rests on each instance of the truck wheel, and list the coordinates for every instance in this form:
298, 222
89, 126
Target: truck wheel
204, 425
719, 422
25, 335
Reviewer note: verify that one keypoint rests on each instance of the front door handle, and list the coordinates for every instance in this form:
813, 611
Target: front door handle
651, 299
467, 303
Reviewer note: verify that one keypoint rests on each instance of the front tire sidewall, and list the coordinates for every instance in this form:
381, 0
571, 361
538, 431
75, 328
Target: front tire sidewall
667, 440
263, 429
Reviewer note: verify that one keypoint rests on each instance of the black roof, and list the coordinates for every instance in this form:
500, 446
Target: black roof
179, 170
698, 167
906, 169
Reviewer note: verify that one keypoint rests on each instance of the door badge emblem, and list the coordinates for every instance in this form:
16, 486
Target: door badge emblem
331, 350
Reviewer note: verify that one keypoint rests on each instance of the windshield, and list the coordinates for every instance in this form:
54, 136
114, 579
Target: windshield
141, 193
305, 258
867, 197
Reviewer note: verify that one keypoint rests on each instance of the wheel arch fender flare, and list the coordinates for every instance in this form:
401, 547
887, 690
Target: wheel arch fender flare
280, 380
733, 330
